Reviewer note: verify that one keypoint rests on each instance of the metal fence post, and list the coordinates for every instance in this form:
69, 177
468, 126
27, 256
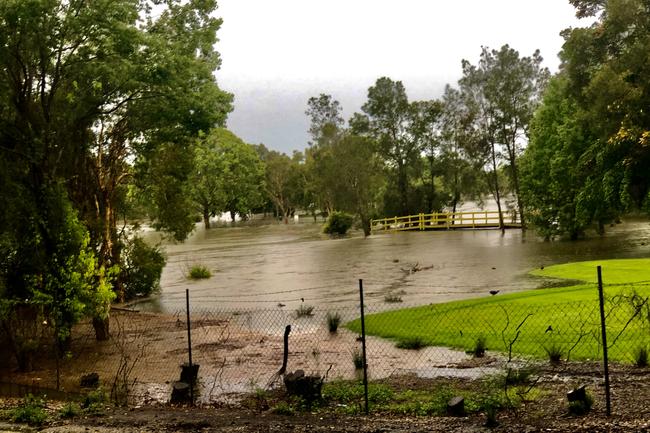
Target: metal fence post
363, 348
189, 341
604, 334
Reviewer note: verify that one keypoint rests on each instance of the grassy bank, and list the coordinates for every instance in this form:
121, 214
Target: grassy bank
535, 322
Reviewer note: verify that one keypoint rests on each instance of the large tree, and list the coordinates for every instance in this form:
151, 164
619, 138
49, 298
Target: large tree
98, 94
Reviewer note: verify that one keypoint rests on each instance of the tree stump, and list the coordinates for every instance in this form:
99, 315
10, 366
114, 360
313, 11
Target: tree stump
189, 375
307, 387
456, 406
180, 393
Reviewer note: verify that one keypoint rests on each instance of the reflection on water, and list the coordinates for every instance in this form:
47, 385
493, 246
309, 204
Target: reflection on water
264, 266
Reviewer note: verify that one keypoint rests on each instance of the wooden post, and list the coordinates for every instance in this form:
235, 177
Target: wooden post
363, 348
189, 340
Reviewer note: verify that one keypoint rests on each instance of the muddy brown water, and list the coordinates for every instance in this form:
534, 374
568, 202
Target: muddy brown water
281, 266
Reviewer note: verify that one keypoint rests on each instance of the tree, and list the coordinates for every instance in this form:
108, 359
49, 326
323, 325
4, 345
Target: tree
284, 182
389, 119
99, 95
325, 119
503, 91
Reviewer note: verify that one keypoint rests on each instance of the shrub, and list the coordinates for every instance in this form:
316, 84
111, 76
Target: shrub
333, 322
411, 343
93, 402
30, 411
143, 265
392, 298
198, 272
338, 223
283, 408
357, 359
480, 346
581, 407
69, 410
554, 353
641, 357
305, 310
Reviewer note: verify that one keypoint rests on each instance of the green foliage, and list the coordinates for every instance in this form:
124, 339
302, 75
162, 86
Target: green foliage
352, 393
305, 311
338, 223
30, 411
142, 268
69, 410
333, 321
198, 272
283, 408
95, 401
554, 353
581, 407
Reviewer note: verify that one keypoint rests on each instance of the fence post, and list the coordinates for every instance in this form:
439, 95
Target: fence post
189, 341
363, 348
604, 334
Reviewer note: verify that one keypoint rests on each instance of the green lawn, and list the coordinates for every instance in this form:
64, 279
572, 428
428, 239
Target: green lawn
565, 318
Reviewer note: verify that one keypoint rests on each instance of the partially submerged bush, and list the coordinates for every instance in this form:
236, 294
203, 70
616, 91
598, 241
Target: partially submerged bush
305, 310
357, 359
392, 298
480, 346
338, 223
198, 272
411, 343
554, 353
333, 322
143, 265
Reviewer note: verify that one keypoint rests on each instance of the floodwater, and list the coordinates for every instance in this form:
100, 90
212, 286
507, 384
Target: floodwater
280, 265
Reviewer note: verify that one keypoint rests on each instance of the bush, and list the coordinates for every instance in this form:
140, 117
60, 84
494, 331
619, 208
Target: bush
581, 407
143, 265
411, 343
70, 410
31, 411
357, 359
198, 272
480, 346
305, 310
333, 322
338, 223
554, 353
392, 298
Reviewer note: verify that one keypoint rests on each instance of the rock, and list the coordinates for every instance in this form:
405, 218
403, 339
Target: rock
180, 393
456, 406
90, 380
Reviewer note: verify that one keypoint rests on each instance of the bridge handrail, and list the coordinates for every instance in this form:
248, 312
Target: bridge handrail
422, 221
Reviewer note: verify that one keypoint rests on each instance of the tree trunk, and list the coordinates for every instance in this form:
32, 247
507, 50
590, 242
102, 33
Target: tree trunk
520, 203
101, 328
402, 187
365, 225
497, 194
206, 219
233, 214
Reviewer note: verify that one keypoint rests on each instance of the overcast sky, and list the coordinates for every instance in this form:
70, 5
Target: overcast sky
276, 54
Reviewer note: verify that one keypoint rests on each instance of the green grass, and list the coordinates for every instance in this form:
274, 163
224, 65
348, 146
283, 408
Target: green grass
563, 317
198, 272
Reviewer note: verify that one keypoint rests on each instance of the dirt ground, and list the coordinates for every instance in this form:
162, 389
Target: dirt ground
547, 413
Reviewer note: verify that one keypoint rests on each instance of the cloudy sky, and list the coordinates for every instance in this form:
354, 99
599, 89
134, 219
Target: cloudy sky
276, 54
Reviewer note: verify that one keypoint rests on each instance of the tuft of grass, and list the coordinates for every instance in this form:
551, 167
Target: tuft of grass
480, 346
581, 407
357, 359
198, 272
333, 322
283, 408
69, 410
31, 411
411, 343
392, 298
305, 310
554, 353
641, 357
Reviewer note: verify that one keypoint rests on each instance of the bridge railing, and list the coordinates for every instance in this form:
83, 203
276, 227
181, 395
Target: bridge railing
446, 220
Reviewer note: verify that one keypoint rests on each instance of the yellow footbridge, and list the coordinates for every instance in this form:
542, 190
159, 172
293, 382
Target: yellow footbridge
447, 221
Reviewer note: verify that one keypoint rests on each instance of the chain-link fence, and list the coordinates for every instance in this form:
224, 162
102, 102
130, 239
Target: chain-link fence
239, 351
